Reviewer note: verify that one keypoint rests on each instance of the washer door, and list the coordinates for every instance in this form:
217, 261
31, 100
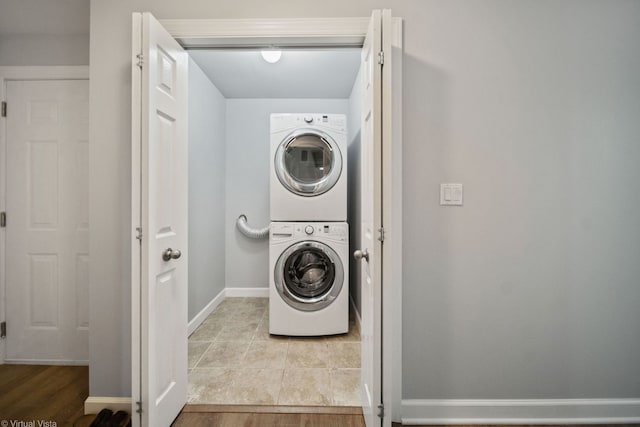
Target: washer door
308, 162
309, 275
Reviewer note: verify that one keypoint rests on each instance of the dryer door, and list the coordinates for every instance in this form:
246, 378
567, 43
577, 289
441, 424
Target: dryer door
309, 275
308, 162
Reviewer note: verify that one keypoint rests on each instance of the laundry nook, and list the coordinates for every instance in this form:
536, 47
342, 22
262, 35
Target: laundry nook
283, 313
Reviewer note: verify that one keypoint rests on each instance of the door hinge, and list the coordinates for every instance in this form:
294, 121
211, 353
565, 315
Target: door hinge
381, 57
139, 235
4, 108
140, 60
3, 329
381, 232
3, 219
380, 411
139, 410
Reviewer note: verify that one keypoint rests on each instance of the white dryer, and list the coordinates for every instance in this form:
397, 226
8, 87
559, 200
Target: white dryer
309, 285
308, 167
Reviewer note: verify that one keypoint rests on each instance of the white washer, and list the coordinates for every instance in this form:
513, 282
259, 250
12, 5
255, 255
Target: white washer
308, 167
309, 284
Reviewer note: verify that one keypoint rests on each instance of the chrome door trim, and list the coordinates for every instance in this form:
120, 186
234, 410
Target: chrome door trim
314, 303
304, 189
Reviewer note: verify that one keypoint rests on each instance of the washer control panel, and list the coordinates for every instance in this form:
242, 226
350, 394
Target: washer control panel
338, 231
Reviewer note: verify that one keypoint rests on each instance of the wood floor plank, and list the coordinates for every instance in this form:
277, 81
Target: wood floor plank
273, 409
197, 419
48, 393
12, 376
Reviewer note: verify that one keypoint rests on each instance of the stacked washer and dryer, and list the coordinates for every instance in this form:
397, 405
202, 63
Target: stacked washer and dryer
309, 235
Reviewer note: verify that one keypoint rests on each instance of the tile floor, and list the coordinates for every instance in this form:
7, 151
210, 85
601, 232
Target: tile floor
234, 360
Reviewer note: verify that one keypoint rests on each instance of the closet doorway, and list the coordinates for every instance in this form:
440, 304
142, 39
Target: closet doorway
159, 297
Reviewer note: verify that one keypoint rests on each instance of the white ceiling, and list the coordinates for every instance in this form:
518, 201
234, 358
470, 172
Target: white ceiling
316, 73
41, 17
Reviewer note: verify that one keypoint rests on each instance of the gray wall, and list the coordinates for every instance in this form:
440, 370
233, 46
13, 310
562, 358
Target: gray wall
530, 289
353, 188
44, 50
52, 32
207, 118
247, 180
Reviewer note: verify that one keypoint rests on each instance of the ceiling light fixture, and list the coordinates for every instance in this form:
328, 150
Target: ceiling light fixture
271, 56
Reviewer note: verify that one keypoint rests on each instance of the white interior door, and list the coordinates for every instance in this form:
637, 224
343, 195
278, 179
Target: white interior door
371, 245
163, 191
47, 234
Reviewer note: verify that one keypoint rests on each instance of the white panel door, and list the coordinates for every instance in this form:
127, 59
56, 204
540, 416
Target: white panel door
164, 223
47, 234
371, 246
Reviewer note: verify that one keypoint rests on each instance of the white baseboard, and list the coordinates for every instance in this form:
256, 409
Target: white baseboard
247, 292
520, 411
205, 312
93, 405
46, 362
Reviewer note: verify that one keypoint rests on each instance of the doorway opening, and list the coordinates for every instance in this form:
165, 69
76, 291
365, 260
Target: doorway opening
160, 196
232, 357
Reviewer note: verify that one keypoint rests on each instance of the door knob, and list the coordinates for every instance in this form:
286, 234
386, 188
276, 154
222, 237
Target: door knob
169, 254
358, 255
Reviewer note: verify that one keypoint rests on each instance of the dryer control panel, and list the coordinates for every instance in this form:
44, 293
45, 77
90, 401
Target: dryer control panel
334, 122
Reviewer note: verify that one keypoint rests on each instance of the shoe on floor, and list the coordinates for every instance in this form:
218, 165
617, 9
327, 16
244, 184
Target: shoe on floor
119, 419
102, 418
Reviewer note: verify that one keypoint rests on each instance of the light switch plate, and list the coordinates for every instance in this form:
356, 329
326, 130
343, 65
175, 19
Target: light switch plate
451, 194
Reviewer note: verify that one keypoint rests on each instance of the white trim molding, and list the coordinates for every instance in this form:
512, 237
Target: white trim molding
520, 411
286, 32
93, 405
392, 216
54, 362
205, 312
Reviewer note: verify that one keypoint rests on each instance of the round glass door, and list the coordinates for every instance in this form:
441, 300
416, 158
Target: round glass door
308, 162
309, 275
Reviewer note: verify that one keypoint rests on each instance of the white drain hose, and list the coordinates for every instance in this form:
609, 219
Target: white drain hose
252, 233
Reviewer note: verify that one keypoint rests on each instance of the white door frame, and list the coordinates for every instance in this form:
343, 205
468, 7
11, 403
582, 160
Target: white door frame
325, 32
8, 73
393, 48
